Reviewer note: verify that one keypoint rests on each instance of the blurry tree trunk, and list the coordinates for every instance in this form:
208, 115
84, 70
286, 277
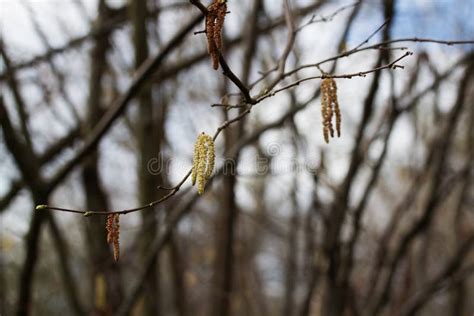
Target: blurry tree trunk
291, 257
178, 269
30, 171
312, 258
318, 259
460, 292
103, 268
70, 285
337, 291
223, 277
249, 291
149, 139
225, 237
228, 217
291, 261
24, 304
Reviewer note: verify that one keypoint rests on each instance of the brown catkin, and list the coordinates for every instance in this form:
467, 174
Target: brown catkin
220, 16
324, 114
214, 23
112, 228
117, 238
109, 227
335, 106
211, 45
330, 113
337, 111
330, 108
325, 105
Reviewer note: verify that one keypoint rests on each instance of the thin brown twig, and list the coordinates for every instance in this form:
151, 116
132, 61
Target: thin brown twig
275, 68
326, 18
228, 106
371, 35
392, 65
380, 45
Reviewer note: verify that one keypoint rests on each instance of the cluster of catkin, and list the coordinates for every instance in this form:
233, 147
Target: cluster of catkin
214, 23
203, 161
330, 108
113, 233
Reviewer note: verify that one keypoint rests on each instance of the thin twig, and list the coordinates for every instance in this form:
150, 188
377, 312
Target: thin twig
326, 18
392, 65
381, 45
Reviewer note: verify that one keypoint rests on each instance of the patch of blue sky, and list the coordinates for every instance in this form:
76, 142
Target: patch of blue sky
435, 19
440, 19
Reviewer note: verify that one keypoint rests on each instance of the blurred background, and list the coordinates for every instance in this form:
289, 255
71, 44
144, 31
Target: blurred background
378, 222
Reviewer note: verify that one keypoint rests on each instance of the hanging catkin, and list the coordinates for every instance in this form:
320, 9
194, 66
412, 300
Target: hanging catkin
113, 233
203, 161
330, 108
214, 23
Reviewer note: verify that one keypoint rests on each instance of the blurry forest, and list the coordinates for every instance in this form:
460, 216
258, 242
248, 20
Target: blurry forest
101, 105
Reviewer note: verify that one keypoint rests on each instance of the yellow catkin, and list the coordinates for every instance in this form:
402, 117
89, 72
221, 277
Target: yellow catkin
201, 179
203, 162
196, 158
211, 156
214, 23
112, 228
330, 108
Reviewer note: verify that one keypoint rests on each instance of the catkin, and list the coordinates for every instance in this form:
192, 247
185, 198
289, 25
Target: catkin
195, 160
203, 161
324, 115
214, 23
112, 227
221, 11
211, 44
330, 108
211, 157
201, 165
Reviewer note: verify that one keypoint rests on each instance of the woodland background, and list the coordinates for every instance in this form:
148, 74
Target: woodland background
101, 102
